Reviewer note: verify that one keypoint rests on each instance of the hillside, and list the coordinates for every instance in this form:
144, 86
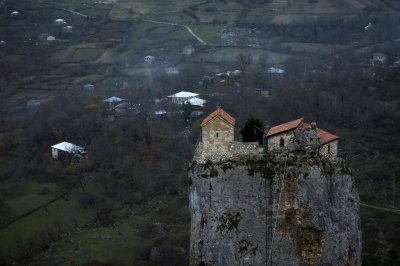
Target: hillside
130, 196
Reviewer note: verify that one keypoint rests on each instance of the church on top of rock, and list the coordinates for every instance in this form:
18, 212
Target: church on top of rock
218, 142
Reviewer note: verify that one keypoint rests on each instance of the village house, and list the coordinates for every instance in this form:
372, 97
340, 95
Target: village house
66, 150
281, 136
182, 96
113, 101
196, 102
159, 114
14, 14
60, 22
171, 71
378, 58
368, 27
218, 130
50, 38
149, 59
188, 50
88, 88
32, 103
229, 73
275, 71
265, 93
67, 29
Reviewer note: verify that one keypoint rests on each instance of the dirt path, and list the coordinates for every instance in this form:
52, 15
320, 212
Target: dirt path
179, 25
357, 4
380, 208
34, 210
76, 13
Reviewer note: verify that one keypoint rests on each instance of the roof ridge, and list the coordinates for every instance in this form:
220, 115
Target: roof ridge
285, 127
221, 113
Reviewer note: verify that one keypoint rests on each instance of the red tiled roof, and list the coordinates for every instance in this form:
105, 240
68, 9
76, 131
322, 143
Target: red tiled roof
284, 127
324, 136
221, 113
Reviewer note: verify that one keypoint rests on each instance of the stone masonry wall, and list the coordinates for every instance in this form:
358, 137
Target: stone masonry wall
217, 134
203, 154
324, 151
274, 141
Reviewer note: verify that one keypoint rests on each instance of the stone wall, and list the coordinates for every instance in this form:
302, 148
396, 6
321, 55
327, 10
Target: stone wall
274, 141
329, 149
301, 137
217, 134
204, 154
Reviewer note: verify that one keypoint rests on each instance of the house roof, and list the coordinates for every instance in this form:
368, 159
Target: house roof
68, 147
284, 127
113, 99
183, 94
221, 113
379, 54
324, 136
160, 112
196, 101
273, 70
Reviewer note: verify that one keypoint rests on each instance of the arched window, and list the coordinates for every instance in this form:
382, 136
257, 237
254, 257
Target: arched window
329, 148
282, 143
217, 135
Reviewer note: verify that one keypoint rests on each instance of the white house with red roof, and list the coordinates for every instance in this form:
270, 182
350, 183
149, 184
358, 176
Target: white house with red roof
281, 136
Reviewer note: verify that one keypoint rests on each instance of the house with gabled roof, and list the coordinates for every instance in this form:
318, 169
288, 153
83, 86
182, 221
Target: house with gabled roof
280, 136
67, 150
218, 130
182, 96
329, 141
113, 101
196, 102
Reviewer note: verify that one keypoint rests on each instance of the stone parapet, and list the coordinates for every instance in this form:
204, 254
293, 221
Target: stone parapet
237, 149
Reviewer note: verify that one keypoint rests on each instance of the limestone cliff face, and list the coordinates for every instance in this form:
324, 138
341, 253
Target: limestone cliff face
288, 208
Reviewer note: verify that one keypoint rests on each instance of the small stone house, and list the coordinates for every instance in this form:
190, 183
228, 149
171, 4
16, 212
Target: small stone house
218, 131
66, 150
280, 136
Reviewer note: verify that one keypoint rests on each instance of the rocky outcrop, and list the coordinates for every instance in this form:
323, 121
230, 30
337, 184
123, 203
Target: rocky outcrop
288, 208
